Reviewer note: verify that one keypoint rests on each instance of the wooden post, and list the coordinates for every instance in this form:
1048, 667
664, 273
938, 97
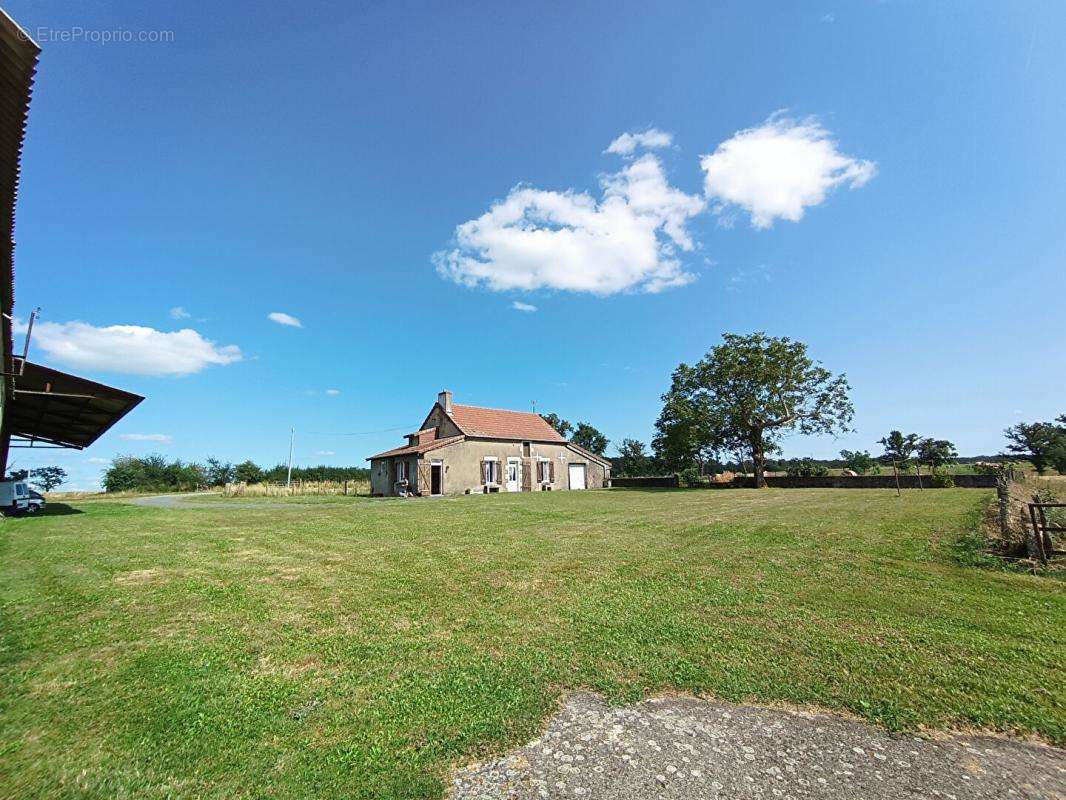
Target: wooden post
345, 487
1003, 493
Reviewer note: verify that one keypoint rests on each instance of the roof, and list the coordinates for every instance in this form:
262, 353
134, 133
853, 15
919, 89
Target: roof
588, 454
18, 63
417, 449
495, 423
64, 410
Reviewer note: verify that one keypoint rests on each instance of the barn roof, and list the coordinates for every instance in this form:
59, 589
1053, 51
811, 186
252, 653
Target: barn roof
55, 408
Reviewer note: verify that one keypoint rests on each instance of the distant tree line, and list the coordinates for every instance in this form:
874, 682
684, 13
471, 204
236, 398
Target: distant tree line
157, 473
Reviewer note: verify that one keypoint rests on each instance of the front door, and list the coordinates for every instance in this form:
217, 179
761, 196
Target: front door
436, 478
514, 474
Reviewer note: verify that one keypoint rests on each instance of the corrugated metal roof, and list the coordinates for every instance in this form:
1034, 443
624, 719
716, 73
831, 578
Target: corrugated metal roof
61, 409
18, 64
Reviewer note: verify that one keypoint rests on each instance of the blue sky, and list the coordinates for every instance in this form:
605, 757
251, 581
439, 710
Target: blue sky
885, 182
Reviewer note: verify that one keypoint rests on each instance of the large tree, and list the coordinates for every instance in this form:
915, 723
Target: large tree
1036, 441
563, 427
591, 439
632, 459
48, 478
936, 453
749, 392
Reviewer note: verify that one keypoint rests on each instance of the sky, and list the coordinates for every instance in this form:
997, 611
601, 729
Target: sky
263, 220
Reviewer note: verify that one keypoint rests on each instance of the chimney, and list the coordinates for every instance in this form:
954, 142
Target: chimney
445, 400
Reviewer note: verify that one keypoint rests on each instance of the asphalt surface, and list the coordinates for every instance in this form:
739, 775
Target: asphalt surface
680, 747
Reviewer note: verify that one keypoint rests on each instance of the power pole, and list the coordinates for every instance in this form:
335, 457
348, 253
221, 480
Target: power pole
292, 438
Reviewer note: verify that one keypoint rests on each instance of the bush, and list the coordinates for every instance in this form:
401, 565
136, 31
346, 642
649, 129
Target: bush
807, 468
690, 476
942, 480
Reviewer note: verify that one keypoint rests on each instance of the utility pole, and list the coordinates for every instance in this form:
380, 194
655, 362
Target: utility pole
292, 438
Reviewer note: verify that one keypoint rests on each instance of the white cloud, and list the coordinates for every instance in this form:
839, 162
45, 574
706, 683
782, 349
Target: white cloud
779, 169
538, 239
282, 318
518, 306
333, 392
829, 18
159, 438
325, 453
179, 312
131, 349
651, 139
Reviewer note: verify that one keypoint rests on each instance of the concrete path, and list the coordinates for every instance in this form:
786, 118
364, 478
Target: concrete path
682, 747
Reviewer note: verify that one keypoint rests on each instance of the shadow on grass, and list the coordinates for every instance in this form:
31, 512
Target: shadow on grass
56, 510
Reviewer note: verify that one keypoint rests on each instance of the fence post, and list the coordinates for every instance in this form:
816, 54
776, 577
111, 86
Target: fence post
1003, 493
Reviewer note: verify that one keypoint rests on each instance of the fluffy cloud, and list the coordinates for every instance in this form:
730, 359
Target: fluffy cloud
528, 308
158, 438
651, 139
779, 169
282, 318
538, 239
131, 349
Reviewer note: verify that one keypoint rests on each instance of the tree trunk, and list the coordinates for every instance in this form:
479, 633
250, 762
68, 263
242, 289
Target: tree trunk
758, 463
895, 472
918, 470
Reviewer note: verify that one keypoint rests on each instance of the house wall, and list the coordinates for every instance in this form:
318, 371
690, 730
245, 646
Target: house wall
462, 464
383, 475
442, 422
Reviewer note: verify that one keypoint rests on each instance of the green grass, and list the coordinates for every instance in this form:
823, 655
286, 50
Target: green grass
358, 648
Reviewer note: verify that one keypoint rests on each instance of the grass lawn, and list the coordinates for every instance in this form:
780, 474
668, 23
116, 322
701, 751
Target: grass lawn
357, 648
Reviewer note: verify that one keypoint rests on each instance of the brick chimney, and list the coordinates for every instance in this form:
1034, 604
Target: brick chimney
445, 400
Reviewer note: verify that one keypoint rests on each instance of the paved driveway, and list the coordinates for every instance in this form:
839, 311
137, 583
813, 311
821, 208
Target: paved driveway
681, 747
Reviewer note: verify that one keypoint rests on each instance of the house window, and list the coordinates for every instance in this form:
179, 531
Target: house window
544, 471
526, 449
490, 470
401, 470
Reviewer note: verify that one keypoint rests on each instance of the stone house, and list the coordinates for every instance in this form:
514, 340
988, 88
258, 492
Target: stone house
466, 449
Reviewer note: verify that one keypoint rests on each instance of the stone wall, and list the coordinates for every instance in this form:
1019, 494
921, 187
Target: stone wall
815, 482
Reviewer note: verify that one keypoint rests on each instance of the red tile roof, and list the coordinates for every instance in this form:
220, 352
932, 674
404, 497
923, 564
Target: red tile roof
495, 423
418, 449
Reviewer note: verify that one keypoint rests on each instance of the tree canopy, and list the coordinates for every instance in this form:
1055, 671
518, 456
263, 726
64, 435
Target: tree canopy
1039, 442
561, 426
745, 395
591, 439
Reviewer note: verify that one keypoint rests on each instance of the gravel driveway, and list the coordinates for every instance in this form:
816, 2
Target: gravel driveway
682, 747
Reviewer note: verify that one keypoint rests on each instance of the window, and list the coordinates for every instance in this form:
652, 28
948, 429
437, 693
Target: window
544, 471
490, 470
401, 470
527, 447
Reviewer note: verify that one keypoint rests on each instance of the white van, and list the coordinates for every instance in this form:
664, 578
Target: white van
16, 497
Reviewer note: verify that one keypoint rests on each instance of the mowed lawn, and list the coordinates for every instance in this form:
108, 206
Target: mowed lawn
358, 648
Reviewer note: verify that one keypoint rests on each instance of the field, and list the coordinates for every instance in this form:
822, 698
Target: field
345, 646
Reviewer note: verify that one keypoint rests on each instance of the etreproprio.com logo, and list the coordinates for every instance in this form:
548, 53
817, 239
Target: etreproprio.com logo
78, 34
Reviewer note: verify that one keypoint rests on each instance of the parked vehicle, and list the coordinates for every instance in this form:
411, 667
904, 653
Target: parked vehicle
18, 498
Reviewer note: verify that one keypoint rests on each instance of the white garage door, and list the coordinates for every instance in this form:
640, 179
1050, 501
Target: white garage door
577, 476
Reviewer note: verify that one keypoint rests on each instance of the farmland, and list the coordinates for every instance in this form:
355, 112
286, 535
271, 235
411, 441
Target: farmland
360, 647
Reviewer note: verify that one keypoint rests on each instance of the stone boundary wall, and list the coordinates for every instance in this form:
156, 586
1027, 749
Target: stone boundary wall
814, 482
655, 482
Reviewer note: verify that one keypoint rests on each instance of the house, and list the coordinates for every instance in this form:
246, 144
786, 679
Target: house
466, 449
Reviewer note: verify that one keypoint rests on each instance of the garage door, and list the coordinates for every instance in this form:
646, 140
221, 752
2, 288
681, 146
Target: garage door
577, 476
